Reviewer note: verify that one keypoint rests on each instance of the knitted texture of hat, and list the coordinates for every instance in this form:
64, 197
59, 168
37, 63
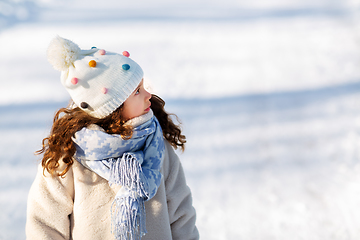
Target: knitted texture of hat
97, 81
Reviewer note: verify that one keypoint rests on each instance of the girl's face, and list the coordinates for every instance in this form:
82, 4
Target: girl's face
137, 104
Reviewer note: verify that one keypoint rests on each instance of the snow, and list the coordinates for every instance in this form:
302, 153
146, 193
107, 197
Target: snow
267, 91
282, 166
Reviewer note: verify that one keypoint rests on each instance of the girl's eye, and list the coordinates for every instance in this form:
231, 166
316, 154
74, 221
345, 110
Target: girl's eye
137, 91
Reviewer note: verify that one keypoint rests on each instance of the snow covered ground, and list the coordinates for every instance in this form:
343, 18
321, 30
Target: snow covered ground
268, 94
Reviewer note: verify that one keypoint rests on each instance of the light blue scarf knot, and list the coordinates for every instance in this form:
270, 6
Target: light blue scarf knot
134, 164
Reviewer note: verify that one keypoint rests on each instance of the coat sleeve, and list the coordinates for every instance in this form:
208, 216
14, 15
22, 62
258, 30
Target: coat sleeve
181, 212
49, 206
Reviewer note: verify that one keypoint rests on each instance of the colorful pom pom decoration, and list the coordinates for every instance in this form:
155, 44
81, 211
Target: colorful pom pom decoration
74, 80
126, 53
126, 67
84, 105
102, 52
104, 90
92, 63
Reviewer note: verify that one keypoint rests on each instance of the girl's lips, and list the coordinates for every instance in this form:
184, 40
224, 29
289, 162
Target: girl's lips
148, 109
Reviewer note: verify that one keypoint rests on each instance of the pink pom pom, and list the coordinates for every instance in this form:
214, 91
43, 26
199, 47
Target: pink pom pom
104, 90
74, 80
102, 52
126, 53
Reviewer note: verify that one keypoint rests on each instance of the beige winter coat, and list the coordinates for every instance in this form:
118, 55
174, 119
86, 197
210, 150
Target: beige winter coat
78, 205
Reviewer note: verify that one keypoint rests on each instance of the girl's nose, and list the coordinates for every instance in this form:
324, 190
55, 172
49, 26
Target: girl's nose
147, 95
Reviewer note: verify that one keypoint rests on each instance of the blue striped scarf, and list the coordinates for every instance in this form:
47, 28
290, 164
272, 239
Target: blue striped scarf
134, 164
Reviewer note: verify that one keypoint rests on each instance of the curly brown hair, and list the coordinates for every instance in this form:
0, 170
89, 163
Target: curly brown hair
67, 121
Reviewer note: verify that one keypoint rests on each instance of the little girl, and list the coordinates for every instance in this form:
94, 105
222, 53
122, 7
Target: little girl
109, 170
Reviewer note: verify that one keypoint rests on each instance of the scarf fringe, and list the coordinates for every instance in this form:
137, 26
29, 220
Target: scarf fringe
128, 218
128, 212
128, 172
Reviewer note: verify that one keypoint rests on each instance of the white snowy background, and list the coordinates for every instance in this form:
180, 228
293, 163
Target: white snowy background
268, 93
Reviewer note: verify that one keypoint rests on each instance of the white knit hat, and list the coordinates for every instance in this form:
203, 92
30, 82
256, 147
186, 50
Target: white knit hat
97, 81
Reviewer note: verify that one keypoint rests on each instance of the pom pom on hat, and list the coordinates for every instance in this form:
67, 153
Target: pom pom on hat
62, 53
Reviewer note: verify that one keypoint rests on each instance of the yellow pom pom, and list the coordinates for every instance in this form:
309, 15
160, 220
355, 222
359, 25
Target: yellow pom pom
92, 63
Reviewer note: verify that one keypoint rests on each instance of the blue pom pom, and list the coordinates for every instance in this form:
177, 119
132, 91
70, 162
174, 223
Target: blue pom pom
93, 47
126, 67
